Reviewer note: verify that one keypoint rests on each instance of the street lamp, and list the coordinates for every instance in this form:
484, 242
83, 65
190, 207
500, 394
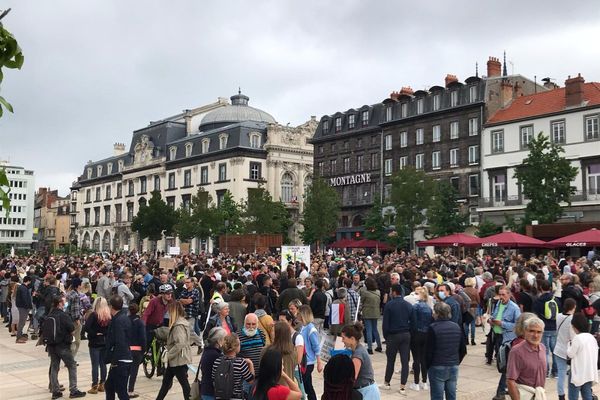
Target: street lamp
226, 244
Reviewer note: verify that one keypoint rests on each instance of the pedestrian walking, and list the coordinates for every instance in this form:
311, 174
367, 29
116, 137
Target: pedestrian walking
118, 353
583, 353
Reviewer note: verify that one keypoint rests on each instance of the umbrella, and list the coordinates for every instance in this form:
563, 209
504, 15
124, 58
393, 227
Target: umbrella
588, 238
510, 239
368, 244
454, 240
340, 244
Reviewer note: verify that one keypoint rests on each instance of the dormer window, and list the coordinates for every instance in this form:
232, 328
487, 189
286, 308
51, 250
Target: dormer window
365, 118
223, 142
89, 173
473, 94
420, 103
188, 149
120, 165
404, 110
437, 101
325, 127
255, 140
172, 153
454, 98
351, 121
205, 145
99, 170
338, 124
109, 168
388, 113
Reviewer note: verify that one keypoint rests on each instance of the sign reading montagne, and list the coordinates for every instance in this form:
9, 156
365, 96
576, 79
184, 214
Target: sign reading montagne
350, 179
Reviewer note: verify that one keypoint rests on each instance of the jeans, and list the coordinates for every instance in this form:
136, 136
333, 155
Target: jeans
561, 365
170, 372
37, 317
137, 356
397, 343
58, 353
549, 340
502, 389
116, 382
585, 389
372, 333
23, 312
4, 310
442, 380
207, 397
77, 338
308, 385
194, 338
97, 358
466, 326
418, 348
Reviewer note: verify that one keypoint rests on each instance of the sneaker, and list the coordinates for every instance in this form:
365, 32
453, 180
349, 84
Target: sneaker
133, 395
369, 351
402, 391
414, 386
56, 395
424, 385
101, 387
499, 397
473, 342
76, 394
93, 390
22, 340
379, 349
34, 336
61, 388
385, 386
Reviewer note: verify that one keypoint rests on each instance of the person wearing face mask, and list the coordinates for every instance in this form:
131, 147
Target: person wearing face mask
444, 293
252, 343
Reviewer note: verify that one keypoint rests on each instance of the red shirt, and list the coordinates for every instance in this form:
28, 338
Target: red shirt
278, 392
527, 365
155, 312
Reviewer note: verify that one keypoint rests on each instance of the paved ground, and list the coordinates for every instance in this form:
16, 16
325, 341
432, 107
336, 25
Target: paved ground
24, 375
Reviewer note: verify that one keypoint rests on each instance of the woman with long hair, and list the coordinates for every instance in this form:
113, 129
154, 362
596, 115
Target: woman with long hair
363, 369
421, 318
96, 327
271, 373
312, 346
370, 301
338, 379
179, 352
283, 344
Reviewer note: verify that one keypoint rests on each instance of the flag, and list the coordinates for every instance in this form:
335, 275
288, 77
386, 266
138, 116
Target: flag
337, 314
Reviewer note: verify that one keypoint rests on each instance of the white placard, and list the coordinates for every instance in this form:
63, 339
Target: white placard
291, 254
174, 251
125, 247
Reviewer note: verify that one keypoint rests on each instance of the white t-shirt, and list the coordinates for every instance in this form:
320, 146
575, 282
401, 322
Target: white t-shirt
563, 335
583, 351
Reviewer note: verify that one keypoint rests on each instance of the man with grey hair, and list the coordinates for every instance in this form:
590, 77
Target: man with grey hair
446, 348
252, 341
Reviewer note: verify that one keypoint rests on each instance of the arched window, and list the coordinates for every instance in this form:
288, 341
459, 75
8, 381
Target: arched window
223, 141
188, 149
172, 153
205, 145
287, 188
255, 140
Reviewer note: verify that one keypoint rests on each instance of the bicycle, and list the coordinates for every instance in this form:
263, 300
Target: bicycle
152, 361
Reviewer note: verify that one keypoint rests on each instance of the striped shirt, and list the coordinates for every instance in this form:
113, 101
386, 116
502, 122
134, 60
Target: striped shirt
252, 346
241, 372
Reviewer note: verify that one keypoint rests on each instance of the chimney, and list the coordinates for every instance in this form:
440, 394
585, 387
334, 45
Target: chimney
494, 67
407, 91
548, 84
517, 90
574, 91
394, 95
450, 78
119, 148
506, 92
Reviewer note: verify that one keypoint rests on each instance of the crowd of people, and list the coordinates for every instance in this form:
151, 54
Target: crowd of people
260, 329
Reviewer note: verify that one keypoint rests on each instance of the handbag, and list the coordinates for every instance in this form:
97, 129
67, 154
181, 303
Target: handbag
195, 392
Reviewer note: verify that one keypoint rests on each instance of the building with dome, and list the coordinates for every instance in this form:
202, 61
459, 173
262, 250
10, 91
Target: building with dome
222, 146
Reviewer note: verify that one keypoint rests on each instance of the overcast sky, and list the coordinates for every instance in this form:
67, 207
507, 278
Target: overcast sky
97, 70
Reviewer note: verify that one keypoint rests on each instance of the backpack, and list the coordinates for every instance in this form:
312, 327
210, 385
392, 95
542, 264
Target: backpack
51, 334
115, 288
224, 379
465, 304
304, 362
502, 356
550, 309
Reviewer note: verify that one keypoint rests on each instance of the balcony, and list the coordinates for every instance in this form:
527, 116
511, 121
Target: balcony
121, 224
516, 201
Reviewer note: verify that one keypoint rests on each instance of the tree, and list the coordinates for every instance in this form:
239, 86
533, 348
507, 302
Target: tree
263, 215
374, 223
230, 211
411, 195
195, 221
545, 177
154, 219
487, 228
320, 215
11, 57
444, 214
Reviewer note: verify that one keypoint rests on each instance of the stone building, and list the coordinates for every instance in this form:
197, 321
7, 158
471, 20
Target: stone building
16, 229
51, 220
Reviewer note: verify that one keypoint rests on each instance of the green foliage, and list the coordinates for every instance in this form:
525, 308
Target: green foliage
487, 228
263, 215
411, 195
4, 190
374, 223
444, 214
154, 218
196, 221
513, 225
320, 215
229, 211
545, 177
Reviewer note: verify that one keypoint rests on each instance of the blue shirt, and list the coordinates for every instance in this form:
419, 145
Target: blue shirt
397, 315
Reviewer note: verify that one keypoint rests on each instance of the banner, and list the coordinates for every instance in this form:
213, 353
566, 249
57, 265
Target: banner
291, 254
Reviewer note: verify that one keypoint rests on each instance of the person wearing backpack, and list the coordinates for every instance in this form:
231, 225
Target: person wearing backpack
546, 308
230, 371
57, 334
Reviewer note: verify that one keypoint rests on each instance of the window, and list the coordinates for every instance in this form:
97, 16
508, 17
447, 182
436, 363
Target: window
98, 192
109, 167
255, 141
592, 129
473, 216
333, 146
346, 164
419, 161
454, 130
437, 133
403, 162
186, 201
222, 142
435, 160
87, 216
108, 192
403, 139
455, 183
558, 132
130, 188
171, 201
388, 142
287, 188
497, 141
526, 134
321, 167
143, 185
187, 178
474, 154
374, 139
454, 157
120, 165
420, 106
107, 215
593, 179
99, 170
129, 212
96, 216
119, 190
156, 182
359, 143
338, 124
333, 166
172, 153
351, 121
325, 127
255, 171
222, 172
188, 149
205, 145
437, 102
473, 126
88, 195
89, 173
404, 110
346, 145
473, 185
365, 118
203, 175
387, 166
359, 163
172, 180
472, 94
454, 98
321, 149
499, 187
220, 196
118, 212
388, 113
374, 161
420, 134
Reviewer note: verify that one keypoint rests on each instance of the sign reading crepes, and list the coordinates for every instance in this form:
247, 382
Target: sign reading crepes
490, 244
350, 179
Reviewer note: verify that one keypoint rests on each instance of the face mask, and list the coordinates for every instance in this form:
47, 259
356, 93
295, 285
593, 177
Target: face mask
250, 332
442, 295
